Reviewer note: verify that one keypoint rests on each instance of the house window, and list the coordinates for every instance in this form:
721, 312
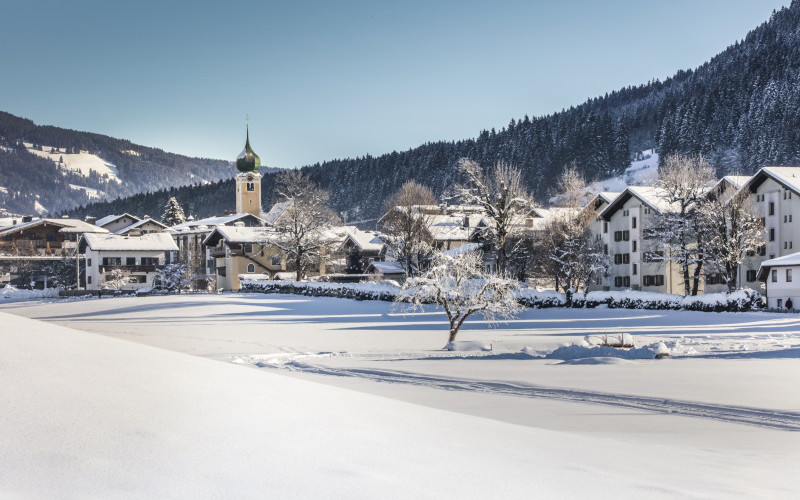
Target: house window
774, 275
751, 276
251, 186
626, 235
635, 269
762, 250
149, 261
772, 234
633, 223
617, 235
130, 261
605, 227
772, 208
785, 245
633, 245
626, 281
88, 280
276, 260
605, 249
788, 275
112, 261
625, 213
647, 211
251, 268
248, 248
626, 258
88, 262
618, 281
780, 303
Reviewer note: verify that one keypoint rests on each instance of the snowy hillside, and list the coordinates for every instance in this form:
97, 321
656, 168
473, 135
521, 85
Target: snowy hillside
642, 172
81, 162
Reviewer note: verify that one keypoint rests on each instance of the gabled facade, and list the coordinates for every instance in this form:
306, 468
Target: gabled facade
136, 257
114, 223
237, 250
631, 246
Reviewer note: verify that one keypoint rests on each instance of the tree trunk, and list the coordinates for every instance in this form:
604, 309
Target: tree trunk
453, 333
696, 278
297, 262
733, 272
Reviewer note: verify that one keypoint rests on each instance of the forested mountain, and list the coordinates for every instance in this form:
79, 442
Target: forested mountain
30, 172
741, 110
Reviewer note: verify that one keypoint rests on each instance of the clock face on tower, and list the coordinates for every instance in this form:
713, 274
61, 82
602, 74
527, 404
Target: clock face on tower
250, 177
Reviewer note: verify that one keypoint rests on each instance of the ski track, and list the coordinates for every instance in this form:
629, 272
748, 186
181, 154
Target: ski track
772, 419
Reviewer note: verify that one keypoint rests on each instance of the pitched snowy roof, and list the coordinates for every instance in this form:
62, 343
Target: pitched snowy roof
787, 176
108, 219
387, 267
153, 242
609, 196
240, 234
276, 211
137, 225
793, 259
468, 247
737, 180
211, 222
368, 241
653, 197
69, 226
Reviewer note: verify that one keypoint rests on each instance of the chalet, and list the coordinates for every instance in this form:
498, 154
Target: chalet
45, 237
137, 257
239, 249
379, 271
144, 226
114, 223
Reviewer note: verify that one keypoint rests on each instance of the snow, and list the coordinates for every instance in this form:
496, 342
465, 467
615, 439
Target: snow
466, 345
641, 172
147, 242
83, 162
12, 293
90, 192
702, 423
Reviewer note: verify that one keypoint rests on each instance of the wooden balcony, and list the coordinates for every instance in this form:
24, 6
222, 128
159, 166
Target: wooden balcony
129, 269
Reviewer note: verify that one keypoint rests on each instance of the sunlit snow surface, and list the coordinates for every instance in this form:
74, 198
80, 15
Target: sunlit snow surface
718, 419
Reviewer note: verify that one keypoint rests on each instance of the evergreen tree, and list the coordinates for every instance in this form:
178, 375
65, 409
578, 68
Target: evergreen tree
173, 213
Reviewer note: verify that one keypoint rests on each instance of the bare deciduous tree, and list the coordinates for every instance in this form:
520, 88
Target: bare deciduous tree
303, 227
459, 284
502, 196
732, 230
684, 182
406, 226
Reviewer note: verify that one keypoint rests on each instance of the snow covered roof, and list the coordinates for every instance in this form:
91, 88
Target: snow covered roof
653, 197
793, 259
152, 242
276, 211
386, 267
737, 180
69, 226
137, 225
108, 219
367, 241
240, 234
211, 222
787, 176
609, 196
469, 247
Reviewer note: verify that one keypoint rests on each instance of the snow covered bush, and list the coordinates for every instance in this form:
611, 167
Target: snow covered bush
14, 293
173, 277
357, 291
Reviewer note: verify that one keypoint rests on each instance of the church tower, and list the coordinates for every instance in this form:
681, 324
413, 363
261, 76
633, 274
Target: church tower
248, 181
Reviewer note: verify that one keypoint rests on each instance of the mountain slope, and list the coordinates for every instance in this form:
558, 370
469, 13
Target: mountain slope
60, 169
741, 110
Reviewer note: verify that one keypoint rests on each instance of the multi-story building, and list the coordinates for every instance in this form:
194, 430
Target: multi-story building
639, 260
137, 258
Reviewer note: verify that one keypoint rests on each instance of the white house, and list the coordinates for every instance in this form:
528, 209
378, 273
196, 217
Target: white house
114, 223
781, 277
632, 249
138, 257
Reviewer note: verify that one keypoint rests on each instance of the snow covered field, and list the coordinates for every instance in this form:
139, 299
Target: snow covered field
718, 418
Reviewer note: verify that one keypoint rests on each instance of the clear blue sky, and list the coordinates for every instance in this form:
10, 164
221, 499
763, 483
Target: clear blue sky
325, 80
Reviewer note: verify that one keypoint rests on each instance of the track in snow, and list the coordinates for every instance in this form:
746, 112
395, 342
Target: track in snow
773, 419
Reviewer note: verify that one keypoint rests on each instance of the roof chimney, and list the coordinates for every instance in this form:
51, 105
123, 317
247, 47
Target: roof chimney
90, 219
27, 218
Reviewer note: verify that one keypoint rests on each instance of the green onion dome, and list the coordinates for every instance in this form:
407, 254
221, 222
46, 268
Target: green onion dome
248, 160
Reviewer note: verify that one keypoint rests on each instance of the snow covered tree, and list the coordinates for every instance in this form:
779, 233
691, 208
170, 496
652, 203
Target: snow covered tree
174, 277
173, 213
574, 257
683, 182
115, 280
501, 195
732, 230
406, 225
303, 229
459, 284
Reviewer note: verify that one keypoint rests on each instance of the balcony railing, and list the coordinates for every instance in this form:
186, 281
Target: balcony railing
130, 269
216, 252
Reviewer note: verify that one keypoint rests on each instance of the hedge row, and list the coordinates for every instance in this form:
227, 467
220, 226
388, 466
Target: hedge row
741, 300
